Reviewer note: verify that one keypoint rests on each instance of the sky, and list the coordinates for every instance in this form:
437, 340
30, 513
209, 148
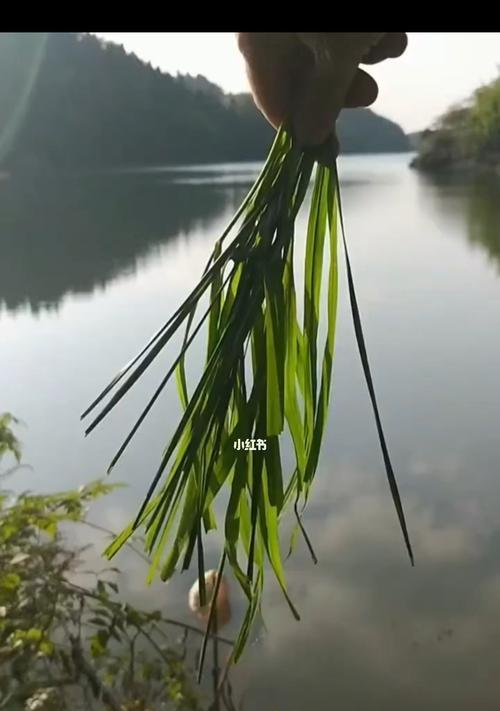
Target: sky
437, 70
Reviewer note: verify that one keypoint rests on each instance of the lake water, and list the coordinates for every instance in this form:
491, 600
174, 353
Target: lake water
91, 267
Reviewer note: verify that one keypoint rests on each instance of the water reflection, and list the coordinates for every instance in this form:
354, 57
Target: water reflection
374, 633
77, 234
484, 217
475, 199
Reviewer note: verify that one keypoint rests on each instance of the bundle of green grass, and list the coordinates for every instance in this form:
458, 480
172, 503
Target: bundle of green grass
266, 377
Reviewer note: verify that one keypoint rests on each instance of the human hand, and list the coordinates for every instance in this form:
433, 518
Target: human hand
305, 79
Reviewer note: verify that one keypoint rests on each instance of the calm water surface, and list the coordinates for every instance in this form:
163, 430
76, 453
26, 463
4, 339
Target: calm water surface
90, 267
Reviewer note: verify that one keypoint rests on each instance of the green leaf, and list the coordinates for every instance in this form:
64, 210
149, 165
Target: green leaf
326, 372
10, 581
98, 644
33, 635
371, 390
46, 648
215, 300
275, 355
274, 473
312, 290
232, 522
293, 344
270, 536
188, 516
249, 618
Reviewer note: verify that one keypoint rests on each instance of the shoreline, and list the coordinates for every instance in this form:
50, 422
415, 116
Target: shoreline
465, 166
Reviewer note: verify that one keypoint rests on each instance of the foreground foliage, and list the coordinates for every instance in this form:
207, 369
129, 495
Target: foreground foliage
64, 645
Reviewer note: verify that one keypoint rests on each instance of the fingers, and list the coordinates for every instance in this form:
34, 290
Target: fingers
362, 92
315, 119
274, 62
335, 82
315, 114
294, 76
392, 45
327, 151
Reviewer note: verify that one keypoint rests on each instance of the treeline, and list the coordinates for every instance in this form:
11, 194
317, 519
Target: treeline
73, 101
466, 136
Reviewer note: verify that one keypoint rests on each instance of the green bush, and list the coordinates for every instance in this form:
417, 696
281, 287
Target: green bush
66, 646
466, 132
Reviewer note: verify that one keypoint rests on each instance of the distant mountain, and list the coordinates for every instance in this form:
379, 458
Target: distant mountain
70, 101
364, 131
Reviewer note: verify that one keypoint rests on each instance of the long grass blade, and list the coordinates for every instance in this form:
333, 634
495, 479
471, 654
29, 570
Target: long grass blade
265, 376
366, 368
